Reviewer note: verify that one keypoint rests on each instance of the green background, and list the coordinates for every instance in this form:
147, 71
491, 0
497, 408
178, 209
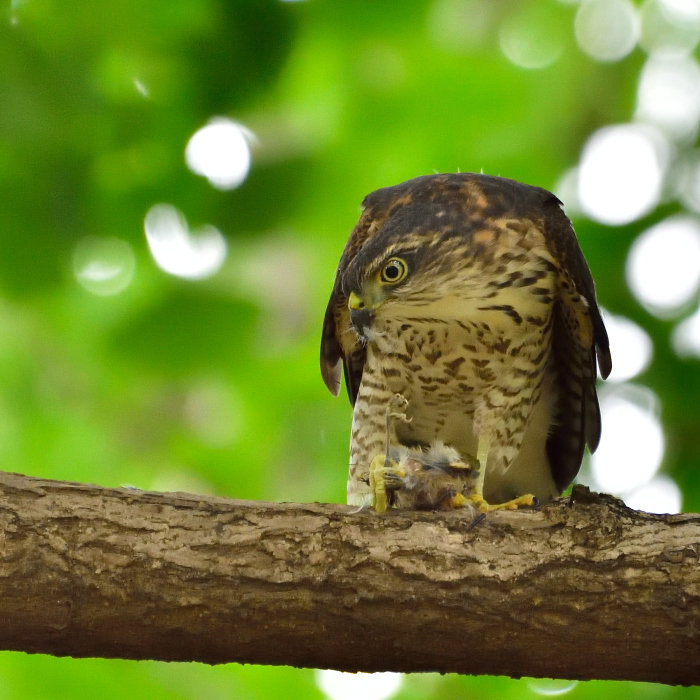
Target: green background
213, 386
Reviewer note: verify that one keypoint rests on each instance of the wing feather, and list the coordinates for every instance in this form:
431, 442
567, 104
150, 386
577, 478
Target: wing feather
576, 421
579, 345
331, 352
339, 344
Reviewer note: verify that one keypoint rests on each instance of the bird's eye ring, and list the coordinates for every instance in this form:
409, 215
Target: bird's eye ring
393, 271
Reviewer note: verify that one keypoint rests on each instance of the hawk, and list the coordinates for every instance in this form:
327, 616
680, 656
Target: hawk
465, 319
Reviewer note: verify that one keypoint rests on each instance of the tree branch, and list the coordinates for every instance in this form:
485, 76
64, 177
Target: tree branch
585, 588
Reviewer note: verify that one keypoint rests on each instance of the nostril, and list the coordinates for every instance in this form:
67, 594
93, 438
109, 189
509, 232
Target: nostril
356, 302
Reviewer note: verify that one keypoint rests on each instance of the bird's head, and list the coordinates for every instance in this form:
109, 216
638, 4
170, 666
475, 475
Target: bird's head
410, 249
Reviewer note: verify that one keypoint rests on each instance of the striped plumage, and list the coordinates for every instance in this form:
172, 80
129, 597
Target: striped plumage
491, 337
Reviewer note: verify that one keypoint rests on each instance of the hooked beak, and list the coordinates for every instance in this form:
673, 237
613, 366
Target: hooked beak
361, 315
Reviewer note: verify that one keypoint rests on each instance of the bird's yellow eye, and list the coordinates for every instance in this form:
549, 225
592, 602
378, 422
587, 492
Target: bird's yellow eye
394, 271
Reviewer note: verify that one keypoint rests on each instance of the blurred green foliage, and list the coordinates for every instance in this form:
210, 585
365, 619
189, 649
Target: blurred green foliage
212, 386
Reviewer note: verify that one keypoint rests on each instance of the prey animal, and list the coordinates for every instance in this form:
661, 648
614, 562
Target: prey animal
465, 321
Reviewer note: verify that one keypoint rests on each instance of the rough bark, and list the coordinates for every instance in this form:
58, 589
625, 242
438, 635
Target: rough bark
584, 588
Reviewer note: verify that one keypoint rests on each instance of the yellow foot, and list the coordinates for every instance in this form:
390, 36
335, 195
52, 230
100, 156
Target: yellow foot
528, 501
379, 474
461, 501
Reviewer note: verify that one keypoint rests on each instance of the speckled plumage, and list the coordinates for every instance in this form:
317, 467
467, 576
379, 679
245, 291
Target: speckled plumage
492, 337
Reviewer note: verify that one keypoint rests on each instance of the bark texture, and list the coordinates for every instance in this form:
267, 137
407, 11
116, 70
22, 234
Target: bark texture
582, 589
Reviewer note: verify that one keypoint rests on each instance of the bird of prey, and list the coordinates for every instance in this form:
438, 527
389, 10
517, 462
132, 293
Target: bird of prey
465, 319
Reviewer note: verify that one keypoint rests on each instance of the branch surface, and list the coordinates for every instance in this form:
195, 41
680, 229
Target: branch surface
585, 588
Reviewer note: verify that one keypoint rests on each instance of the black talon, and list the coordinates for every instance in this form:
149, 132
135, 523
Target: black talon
478, 519
392, 481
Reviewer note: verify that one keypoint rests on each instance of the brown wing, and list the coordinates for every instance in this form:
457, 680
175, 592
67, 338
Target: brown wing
339, 344
331, 352
578, 332
578, 339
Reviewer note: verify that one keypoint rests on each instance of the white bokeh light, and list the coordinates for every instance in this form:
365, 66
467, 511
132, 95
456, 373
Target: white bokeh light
669, 96
141, 87
607, 30
220, 151
176, 250
686, 337
550, 687
104, 266
621, 173
630, 346
631, 446
527, 39
670, 28
358, 686
660, 495
663, 264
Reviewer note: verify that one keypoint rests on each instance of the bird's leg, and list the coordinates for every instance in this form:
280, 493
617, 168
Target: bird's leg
477, 497
379, 470
396, 408
382, 468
